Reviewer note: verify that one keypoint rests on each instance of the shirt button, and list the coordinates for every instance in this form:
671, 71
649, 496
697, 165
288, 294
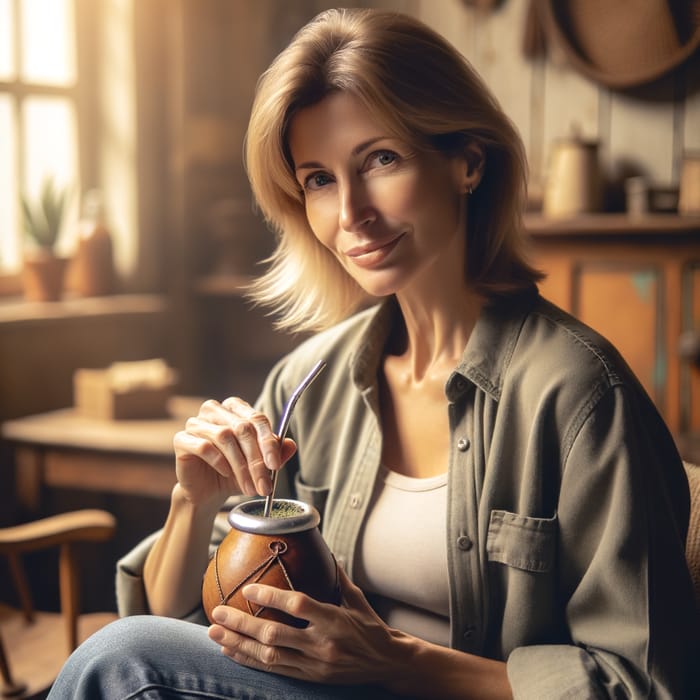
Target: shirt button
465, 543
463, 444
355, 500
460, 383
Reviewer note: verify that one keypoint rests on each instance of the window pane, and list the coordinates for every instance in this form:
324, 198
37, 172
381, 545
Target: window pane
50, 145
10, 233
48, 41
7, 43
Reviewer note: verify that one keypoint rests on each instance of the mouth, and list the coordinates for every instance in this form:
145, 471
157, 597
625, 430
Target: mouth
373, 253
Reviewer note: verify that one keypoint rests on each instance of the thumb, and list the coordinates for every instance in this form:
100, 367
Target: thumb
353, 597
288, 450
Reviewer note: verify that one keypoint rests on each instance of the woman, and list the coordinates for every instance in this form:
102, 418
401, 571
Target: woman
491, 477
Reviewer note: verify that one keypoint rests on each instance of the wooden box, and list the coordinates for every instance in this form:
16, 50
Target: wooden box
124, 391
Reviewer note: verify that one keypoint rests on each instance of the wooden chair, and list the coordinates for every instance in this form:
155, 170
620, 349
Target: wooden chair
36, 644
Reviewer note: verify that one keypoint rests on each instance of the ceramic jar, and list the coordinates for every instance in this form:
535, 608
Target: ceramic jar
574, 180
689, 202
285, 550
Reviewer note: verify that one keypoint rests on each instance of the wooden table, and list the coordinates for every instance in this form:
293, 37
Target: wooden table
68, 450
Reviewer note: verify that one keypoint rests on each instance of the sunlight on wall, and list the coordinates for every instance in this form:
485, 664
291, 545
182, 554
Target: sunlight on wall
118, 142
9, 214
7, 44
38, 133
48, 42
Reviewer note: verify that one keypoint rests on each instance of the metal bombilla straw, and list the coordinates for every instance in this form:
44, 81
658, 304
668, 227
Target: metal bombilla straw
284, 425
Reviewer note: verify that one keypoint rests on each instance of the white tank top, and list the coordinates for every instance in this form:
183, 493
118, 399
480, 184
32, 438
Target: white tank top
401, 561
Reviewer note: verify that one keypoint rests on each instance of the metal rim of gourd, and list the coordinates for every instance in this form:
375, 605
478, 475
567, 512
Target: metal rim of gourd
248, 517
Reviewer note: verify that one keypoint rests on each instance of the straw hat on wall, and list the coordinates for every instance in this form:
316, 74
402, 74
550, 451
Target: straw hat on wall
623, 43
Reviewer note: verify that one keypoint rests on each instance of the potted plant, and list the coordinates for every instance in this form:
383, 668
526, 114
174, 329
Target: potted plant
44, 269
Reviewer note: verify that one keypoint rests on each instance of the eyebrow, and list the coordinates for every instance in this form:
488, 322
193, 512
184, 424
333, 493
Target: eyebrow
308, 165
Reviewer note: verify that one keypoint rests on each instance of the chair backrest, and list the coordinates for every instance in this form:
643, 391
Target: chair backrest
62, 531
692, 547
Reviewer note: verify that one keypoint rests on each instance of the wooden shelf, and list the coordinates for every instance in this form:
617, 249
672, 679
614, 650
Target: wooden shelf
222, 285
22, 311
606, 225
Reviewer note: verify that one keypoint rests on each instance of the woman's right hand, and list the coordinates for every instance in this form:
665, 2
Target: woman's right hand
227, 448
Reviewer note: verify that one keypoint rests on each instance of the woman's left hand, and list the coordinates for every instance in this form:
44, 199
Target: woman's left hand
342, 644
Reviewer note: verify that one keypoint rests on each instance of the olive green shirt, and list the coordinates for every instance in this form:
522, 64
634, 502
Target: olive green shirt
567, 500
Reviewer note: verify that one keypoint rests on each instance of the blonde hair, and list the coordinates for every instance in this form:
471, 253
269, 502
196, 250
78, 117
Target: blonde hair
423, 90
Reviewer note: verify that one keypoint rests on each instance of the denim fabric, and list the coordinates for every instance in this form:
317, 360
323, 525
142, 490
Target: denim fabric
157, 658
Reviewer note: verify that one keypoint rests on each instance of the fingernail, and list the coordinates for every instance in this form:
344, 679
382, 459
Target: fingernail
264, 486
249, 591
219, 614
272, 460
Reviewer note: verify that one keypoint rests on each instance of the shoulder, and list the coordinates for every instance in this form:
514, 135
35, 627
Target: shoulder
563, 377
525, 343
562, 370
562, 346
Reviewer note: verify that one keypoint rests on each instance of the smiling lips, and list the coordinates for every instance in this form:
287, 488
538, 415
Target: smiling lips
372, 254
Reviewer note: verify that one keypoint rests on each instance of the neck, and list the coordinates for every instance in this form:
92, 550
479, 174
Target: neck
432, 336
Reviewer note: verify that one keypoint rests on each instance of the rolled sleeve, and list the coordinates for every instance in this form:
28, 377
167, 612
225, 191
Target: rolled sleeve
129, 585
553, 672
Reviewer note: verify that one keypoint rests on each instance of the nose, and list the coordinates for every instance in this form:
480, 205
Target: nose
356, 210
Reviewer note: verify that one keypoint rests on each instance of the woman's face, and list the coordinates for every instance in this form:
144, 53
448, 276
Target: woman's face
390, 213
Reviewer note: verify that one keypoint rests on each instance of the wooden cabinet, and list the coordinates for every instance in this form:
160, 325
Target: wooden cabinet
637, 282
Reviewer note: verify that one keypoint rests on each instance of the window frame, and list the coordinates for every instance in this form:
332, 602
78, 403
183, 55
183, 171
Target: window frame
83, 95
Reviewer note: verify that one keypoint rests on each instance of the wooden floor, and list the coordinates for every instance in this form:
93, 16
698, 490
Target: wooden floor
36, 652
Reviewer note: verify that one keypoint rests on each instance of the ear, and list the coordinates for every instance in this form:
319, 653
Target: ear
474, 159
470, 167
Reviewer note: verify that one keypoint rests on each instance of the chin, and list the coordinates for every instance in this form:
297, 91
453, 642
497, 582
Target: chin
379, 291
381, 283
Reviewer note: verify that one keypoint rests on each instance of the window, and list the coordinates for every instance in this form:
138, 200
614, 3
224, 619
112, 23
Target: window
68, 86
39, 85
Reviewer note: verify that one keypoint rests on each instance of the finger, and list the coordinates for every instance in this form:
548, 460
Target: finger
241, 647
257, 441
253, 640
252, 437
353, 597
274, 454
288, 449
236, 652
294, 603
222, 438
260, 629
187, 445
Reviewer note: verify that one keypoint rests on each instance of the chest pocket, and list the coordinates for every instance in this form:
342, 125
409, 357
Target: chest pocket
315, 496
522, 542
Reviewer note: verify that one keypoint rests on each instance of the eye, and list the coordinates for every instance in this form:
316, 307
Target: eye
317, 180
381, 159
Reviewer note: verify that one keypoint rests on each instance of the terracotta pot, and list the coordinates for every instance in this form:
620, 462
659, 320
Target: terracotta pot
285, 550
42, 277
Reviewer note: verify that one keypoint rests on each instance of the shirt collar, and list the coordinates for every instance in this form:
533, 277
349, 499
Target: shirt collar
486, 356
491, 344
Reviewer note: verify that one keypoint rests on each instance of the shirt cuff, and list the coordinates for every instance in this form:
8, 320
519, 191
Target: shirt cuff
553, 671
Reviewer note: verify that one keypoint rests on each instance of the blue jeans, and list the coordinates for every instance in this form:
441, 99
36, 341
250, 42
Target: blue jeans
153, 657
